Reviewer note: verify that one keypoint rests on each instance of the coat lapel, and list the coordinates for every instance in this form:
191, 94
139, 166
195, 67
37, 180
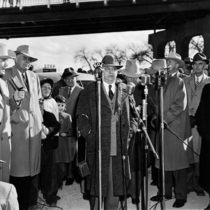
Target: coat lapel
192, 84
104, 100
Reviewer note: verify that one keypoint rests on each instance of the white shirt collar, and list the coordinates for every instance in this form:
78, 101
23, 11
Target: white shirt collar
198, 78
106, 86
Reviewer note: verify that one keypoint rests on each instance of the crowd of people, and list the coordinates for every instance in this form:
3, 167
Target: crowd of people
45, 125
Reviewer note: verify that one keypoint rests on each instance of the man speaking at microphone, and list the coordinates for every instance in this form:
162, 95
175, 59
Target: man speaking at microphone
116, 125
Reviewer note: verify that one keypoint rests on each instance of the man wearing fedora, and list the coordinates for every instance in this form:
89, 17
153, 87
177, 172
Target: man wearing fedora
176, 153
70, 90
194, 86
115, 130
26, 124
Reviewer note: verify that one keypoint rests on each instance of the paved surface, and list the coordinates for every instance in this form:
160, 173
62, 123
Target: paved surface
71, 199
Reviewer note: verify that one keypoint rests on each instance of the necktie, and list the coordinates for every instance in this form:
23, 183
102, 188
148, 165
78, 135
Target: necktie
25, 80
196, 81
111, 94
69, 91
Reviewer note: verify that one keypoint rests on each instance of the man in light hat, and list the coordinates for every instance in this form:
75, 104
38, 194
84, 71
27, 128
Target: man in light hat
132, 74
70, 90
194, 86
26, 125
115, 129
176, 154
174, 62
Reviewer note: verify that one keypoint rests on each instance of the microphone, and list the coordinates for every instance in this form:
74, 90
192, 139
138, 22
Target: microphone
130, 88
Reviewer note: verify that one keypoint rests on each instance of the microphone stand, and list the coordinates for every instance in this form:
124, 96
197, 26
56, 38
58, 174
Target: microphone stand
98, 79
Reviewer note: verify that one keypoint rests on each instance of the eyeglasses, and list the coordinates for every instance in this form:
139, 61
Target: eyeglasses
109, 68
46, 88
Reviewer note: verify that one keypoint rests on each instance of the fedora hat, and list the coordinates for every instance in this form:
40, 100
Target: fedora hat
131, 69
176, 57
69, 72
109, 61
188, 60
200, 57
24, 49
157, 64
4, 52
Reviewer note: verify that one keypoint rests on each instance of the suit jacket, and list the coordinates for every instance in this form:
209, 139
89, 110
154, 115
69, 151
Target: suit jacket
88, 126
175, 114
8, 198
5, 132
26, 124
194, 96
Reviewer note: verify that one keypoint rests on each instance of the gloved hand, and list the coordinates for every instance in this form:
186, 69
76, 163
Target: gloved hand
192, 121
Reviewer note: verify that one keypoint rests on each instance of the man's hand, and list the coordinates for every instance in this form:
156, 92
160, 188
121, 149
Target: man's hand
19, 95
63, 134
45, 130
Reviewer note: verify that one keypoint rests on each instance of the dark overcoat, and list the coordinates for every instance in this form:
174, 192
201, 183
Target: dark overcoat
88, 126
203, 123
175, 113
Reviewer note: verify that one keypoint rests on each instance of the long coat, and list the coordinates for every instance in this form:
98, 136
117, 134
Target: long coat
26, 124
71, 106
88, 126
5, 132
177, 154
63, 153
203, 123
193, 96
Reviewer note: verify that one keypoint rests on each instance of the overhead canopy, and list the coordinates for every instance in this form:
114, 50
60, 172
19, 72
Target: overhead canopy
94, 17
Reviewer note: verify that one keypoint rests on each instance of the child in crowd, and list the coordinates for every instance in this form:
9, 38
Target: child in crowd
50, 127
63, 151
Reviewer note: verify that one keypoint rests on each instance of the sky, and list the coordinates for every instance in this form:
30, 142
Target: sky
60, 50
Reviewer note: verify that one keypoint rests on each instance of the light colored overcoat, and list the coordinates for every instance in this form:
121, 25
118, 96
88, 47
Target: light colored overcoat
5, 132
177, 154
26, 124
193, 97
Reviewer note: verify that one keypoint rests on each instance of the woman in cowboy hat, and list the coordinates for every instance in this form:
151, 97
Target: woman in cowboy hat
132, 73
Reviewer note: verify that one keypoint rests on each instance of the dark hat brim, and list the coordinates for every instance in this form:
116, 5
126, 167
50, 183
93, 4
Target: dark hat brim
205, 60
112, 65
74, 74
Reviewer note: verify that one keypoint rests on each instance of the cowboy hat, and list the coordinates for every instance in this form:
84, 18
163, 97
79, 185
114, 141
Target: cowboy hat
69, 72
200, 57
176, 57
4, 52
109, 61
157, 64
24, 49
131, 69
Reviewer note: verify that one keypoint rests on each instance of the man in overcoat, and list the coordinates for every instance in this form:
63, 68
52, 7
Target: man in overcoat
194, 86
71, 93
177, 154
115, 129
26, 124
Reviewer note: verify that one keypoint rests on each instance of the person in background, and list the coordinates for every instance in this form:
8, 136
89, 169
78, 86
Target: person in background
188, 66
26, 124
71, 93
63, 155
117, 126
49, 185
194, 86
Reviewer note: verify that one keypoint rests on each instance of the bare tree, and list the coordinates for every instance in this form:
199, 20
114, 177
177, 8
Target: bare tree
120, 55
170, 47
83, 56
196, 44
141, 54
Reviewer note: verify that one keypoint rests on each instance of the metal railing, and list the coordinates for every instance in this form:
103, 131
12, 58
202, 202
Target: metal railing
29, 3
